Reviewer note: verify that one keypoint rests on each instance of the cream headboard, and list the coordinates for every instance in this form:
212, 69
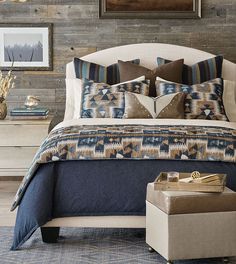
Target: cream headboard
147, 53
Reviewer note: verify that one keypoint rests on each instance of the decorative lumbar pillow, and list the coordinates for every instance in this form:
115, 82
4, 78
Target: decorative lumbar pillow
170, 71
99, 73
203, 101
167, 106
200, 72
229, 99
99, 100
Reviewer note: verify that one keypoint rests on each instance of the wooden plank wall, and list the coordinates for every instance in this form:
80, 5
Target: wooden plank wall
78, 31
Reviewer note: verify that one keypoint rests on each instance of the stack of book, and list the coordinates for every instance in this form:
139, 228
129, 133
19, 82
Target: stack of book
29, 113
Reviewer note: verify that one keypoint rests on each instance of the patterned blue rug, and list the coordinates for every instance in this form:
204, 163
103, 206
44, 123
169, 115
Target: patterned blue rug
85, 246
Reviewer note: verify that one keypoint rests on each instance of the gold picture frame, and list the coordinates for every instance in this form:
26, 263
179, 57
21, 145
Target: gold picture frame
150, 9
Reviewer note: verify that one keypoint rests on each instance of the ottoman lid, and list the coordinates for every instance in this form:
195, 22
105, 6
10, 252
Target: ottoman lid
178, 202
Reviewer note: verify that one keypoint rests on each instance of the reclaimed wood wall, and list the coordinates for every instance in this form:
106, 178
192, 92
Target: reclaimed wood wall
78, 31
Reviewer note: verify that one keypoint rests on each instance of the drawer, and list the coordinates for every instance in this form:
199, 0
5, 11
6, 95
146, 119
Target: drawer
13, 172
22, 135
16, 157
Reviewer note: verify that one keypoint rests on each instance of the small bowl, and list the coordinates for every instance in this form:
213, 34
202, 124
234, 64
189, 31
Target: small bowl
172, 176
31, 101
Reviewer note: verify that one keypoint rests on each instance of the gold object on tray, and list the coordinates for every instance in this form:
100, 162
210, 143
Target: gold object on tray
204, 183
195, 174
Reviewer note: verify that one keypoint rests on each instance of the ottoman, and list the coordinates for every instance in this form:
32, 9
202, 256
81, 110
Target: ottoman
191, 225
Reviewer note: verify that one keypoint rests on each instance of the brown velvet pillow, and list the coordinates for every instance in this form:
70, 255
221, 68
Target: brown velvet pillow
171, 71
167, 106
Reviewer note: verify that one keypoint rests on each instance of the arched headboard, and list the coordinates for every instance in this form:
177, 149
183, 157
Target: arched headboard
148, 52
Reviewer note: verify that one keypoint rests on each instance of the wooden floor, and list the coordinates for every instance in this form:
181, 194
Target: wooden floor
7, 192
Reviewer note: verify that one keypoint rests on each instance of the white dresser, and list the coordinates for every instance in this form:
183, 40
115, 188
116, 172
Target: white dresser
19, 141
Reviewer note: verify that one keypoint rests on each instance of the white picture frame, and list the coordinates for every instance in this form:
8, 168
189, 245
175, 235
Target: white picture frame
26, 47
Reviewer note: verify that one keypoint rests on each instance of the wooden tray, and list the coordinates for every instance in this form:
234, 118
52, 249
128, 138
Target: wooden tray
161, 184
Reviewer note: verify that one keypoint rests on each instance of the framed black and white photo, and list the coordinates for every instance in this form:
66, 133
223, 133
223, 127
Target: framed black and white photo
26, 47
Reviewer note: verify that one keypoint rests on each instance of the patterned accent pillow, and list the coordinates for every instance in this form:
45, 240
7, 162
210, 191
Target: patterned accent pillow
166, 106
200, 72
98, 73
203, 101
101, 100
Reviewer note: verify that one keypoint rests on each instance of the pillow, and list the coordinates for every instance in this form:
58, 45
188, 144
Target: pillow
99, 100
69, 107
203, 101
171, 71
98, 73
229, 99
141, 106
77, 90
200, 72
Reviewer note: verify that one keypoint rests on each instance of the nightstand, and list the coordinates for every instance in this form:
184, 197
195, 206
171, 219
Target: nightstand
19, 141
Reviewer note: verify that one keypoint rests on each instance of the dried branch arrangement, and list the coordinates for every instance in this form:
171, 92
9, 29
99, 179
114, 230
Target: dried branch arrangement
6, 83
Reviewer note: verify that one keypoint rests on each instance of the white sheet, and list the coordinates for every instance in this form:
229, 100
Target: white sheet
117, 121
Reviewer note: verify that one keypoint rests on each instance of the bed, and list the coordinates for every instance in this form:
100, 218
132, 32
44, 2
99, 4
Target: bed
110, 193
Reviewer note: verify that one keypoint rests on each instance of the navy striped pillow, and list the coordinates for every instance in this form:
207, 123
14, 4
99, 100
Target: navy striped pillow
98, 73
200, 72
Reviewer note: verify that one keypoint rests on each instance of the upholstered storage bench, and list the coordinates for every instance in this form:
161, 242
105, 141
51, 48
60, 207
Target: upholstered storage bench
187, 225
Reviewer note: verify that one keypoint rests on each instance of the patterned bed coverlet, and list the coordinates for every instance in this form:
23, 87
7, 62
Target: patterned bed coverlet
135, 142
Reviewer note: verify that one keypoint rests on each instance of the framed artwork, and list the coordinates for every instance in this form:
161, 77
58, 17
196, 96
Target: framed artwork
26, 47
150, 9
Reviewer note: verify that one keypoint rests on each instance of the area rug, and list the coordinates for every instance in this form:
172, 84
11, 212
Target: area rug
85, 246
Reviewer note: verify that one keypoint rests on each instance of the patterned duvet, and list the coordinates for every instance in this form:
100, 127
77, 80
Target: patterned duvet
132, 141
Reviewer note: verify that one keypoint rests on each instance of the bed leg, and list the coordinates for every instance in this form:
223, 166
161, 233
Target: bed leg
50, 234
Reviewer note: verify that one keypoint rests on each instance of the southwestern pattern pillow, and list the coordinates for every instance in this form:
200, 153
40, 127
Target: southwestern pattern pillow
101, 100
166, 106
98, 73
200, 72
203, 101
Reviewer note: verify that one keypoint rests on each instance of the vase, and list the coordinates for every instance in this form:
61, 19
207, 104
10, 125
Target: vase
3, 110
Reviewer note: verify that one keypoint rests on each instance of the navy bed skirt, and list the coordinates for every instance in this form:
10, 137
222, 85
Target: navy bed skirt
98, 187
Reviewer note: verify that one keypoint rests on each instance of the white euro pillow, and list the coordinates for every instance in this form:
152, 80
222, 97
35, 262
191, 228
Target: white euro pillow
69, 108
229, 99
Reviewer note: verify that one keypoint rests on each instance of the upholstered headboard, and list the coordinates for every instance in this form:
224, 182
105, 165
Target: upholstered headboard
148, 52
